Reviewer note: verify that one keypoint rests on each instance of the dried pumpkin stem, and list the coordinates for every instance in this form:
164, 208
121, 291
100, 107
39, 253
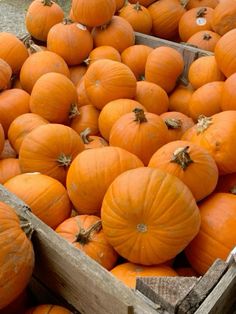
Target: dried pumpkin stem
67, 21
201, 12
137, 6
206, 36
172, 123
85, 136
203, 123
184, 3
139, 115
64, 160
47, 2
27, 227
182, 157
74, 112
84, 236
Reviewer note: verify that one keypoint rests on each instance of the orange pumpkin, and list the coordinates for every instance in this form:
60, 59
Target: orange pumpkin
152, 97
216, 136
223, 19
128, 272
5, 75
216, 237
177, 123
113, 111
190, 163
135, 58
77, 72
163, 67
103, 52
119, 4
48, 308
13, 103
118, 33
201, 3
40, 63
2, 138
228, 93
179, 98
85, 233
204, 70
107, 80
91, 166
145, 3
94, 12
149, 216
205, 40
72, 41
41, 16
227, 183
139, 133
50, 149
19, 305
13, 51
54, 98
17, 256
92, 141
9, 168
83, 99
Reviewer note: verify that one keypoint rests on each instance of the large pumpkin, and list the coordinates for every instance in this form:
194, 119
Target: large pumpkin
50, 149
41, 16
48, 308
91, 166
149, 216
217, 234
190, 163
5, 75
17, 256
217, 136
107, 80
139, 133
85, 233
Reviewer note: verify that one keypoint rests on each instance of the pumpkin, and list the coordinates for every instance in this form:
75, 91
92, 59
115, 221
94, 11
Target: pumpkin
92, 141
13, 103
163, 67
40, 63
205, 40
138, 16
85, 233
223, 19
128, 272
41, 16
186, 272
103, 52
191, 163
213, 134
13, 51
2, 138
72, 41
54, 98
227, 183
153, 97
201, 3
149, 216
77, 72
204, 70
139, 133
179, 98
20, 304
225, 53
112, 111
21, 126
5, 75
145, 3
48, 308
119, 4
195, 20
9, 167
87, 118
8, 151
118, 33
135, 58
166, 15
177, 123
50, 149
107, 80
228, 93
17, 255
94, 12
216, 237
91, 166
83, 99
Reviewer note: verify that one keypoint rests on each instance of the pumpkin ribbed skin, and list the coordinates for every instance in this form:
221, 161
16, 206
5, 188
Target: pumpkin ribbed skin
49, 149
94, 12
228, 93
48, 308
5, 75
149, 216
223, 19
190, 163
216, 237
128, 272
13, 51
40, 63
72, 41
94, 243
107, 80
41, 16
96, 165
179, 98
216, 136
205, 40
17, 256
9, 167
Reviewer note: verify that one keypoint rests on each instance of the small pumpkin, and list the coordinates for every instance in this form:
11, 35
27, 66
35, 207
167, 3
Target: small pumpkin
92, 141
179, 98
48, 308
205, 40
103, 52
9, 168
83, 99
5, 75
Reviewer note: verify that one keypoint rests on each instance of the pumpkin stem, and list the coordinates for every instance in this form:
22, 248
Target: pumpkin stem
183, 80
206, 36
64, 161
142, 228
233, 190
139, 115
47, 2
137, 7
84, 236
182, 157
201, 12
87, 61
74, 112
26, 226
142, 77
172, 123
184, 3
203, 123
85, 136
67, 21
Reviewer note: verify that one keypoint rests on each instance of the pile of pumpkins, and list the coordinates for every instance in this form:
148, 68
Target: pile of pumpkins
108, 146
